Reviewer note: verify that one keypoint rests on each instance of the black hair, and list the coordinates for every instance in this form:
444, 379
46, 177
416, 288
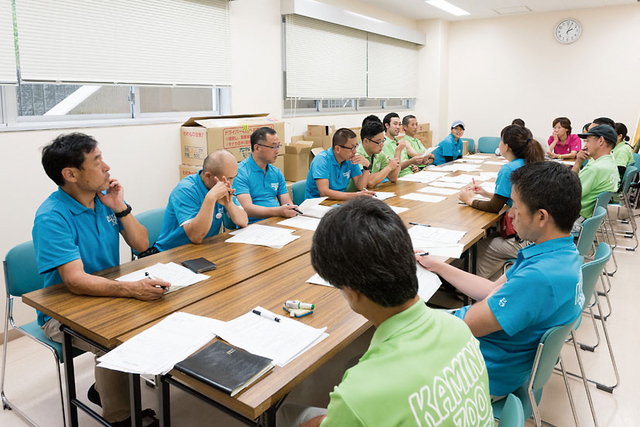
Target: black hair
405, 119
371, 129
387, 119
621, 129
363, 245
564, 122
518, 122
66, 151
371, 118
585, 128
519, 139
260, 135
550, 186
342, 135
604, 121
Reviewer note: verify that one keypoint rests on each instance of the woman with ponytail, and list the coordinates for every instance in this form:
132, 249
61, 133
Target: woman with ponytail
622, 151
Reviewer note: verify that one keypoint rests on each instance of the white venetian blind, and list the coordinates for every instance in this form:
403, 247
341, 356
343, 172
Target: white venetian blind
324, 60
393, 68
166, 42
8, 74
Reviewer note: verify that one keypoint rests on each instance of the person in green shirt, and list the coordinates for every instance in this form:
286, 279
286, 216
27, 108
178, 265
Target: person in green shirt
600, 174
398, 149
415, 148
622, 151
382, 167
423, 366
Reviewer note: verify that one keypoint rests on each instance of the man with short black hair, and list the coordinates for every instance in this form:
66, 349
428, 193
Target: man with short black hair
600, 174
331, 169
543, 288
415, 147
423, 366
370, 148
198, 204
75, 234
260, 186
398, 148
371, 118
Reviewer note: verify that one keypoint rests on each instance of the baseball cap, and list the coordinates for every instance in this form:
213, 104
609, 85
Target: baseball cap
605, 131
458, 123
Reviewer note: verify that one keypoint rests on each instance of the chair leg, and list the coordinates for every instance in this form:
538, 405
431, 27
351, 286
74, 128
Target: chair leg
569, 394
588, 347
584, 379
605, 293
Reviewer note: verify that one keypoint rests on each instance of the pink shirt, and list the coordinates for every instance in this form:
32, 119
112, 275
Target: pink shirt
574, 143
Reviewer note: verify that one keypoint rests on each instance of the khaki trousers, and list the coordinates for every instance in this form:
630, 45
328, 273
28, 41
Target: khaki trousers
493, 252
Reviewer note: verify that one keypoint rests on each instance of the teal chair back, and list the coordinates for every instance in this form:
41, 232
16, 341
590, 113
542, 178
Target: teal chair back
588, 232
297, 191
21, 270
636, 160
471, 144
488, 144
603, 200
592, 270
512, 414
152, 221
629, 176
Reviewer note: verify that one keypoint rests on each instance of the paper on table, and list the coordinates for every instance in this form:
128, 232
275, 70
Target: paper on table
280, 341
437, 241
263, 235
476, 197
423, 197
460, 167
384, 195
457, 185
423, 176
495, 163
463, 178
428, 282
468, 160
479, 156
398, 209
489, 186
312, 207
317, 280
438, 190
155, 350
443, 235
488, 175
177, 275
305, 222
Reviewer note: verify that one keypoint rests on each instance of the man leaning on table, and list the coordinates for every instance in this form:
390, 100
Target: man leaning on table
198, 204
331, 169
75, 234
423, 366
260, 186
543, 288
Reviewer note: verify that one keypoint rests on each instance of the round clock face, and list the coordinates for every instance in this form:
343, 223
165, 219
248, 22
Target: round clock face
568, 31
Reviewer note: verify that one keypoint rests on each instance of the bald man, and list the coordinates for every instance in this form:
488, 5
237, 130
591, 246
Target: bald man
199, 202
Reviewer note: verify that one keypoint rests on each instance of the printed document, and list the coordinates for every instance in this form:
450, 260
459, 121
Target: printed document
177, 275
263, 235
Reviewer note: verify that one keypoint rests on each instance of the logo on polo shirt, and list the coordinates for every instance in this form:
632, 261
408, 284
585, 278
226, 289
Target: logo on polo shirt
274, 185
112, 219
347, 174
502, 302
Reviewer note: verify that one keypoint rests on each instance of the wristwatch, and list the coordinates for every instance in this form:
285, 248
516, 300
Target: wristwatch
366, 168
124, 212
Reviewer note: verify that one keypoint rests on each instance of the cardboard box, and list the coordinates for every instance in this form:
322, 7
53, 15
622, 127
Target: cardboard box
357, 132
280, 163
186, 170
200, 136
296, 160
425, 138
424, 127
321, 135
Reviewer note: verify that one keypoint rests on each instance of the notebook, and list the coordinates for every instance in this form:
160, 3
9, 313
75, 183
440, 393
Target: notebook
226, 368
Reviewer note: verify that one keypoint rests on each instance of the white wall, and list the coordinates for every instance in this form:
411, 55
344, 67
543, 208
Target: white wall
145, 158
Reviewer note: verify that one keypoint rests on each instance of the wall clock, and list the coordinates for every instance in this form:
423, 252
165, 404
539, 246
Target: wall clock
568, 31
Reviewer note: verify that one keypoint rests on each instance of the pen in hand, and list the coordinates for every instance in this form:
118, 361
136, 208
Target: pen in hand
149, 276
295, 209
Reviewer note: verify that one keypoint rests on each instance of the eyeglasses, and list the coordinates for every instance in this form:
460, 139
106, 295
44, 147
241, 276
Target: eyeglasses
377, 142
349, 148
274, 147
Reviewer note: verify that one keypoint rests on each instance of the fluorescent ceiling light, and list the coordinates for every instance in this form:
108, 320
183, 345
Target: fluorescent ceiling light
448, 7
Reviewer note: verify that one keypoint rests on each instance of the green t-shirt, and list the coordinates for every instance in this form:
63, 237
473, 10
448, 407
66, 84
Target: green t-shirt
389, 148
622, 154
415, 143
596, 177
380, 160
423, 367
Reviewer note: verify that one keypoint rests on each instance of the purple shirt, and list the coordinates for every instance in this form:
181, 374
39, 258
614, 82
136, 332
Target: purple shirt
574, 143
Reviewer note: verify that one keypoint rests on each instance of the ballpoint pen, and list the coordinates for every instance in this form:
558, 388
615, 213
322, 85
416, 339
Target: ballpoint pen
417, 223
149, 276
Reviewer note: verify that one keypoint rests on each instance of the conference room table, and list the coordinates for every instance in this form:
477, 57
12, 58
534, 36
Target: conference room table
246, 276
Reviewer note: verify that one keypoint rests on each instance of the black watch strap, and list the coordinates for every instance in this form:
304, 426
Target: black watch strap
124, 212
367, 168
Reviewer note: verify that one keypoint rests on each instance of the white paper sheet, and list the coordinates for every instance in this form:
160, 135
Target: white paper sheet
469, 160
479, 156
437, 241
423, 197
281, 341
179, 276
460, 167
305, 222
312, 207
423, 176
263, 235
156, 350
317, 280
384, 195
428, 282
398, 209
456, 185
439, 190
495, 163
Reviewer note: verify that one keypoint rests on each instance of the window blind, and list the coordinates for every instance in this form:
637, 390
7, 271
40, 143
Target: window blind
392, 67
156, 42
8, 73
324, 60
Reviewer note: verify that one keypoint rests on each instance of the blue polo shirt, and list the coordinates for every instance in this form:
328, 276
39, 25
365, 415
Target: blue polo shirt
503, 182
264, 187
184, 204
325, 166
543, 290
64, 231
447, 147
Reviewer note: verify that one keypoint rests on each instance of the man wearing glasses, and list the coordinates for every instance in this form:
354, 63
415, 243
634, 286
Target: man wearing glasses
260, 186
370, 148
331, 170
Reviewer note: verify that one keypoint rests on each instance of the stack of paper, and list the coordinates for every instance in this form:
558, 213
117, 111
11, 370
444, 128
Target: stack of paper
280, 341
423, 197
157, 349
437, 241
312, 207
384, 195
439, 190
488, 175
301, 221
423, 176
263, 235
177, 275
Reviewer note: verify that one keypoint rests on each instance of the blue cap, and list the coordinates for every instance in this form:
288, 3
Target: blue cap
457, 123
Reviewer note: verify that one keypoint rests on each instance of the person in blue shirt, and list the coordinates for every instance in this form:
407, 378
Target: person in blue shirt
76, 233
450, 148
198, 204
331, 169
543, 289
260, 186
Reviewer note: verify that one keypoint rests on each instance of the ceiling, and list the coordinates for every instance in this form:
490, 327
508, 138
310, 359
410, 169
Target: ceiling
480, 9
